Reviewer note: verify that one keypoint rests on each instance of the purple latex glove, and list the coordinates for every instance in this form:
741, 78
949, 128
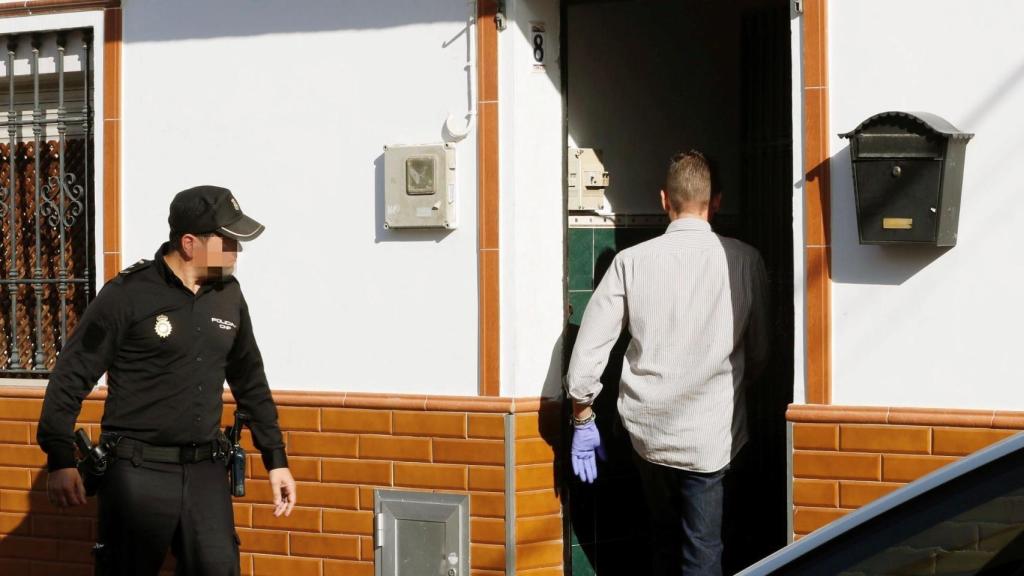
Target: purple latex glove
586, 448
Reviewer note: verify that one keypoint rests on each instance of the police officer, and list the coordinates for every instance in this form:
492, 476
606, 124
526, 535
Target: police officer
168, 333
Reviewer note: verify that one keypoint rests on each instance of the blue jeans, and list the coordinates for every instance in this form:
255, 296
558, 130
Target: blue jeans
686, 517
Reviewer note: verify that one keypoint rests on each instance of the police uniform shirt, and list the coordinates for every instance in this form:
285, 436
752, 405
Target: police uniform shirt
167, 353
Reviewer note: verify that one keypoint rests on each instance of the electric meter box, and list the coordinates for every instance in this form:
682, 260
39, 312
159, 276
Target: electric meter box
419, 186
588, 179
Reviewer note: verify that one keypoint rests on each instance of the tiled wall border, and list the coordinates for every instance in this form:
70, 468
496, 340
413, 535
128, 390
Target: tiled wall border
111, 124
366, 400
846, 456
30, 7
487, 198
906, 416
817, 210
342, 448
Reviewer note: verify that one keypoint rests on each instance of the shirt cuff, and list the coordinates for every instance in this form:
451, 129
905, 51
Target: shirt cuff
59, 457
583, 394
275, 458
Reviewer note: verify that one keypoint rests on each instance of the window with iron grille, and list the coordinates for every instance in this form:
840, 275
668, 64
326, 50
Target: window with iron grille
46, 196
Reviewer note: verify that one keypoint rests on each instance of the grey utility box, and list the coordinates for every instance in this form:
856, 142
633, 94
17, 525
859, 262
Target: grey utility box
419, 187
908, 171
421, 533
588, 180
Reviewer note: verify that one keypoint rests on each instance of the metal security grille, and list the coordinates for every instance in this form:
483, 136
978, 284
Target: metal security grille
46, 208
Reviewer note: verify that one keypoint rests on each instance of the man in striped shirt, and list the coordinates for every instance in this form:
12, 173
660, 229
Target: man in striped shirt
695, 307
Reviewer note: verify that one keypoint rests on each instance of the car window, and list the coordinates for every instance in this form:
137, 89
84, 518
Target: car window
972, 525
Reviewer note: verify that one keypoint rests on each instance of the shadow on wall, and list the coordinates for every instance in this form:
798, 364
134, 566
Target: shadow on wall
47, 538
165, 21
995, 97
854, 263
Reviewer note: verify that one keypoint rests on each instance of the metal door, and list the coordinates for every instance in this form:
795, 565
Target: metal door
421, 534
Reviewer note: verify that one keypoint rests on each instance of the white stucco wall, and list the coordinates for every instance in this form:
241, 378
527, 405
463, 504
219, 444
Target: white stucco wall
290, 105
918, 326
532, 208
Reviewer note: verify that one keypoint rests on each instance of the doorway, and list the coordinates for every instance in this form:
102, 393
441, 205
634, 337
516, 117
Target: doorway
642, 80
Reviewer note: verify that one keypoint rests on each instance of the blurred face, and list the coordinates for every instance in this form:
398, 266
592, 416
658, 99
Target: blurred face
214, 254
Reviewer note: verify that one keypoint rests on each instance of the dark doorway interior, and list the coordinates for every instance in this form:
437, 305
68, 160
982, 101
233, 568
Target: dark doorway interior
643, 80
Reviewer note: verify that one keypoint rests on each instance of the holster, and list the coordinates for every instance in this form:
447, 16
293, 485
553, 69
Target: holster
93, 463
236, 455
236, 470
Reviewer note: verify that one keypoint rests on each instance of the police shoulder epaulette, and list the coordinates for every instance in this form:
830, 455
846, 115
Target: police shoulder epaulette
140, 265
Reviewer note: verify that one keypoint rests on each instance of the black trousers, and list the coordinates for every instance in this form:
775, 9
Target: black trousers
686, 518
148, 509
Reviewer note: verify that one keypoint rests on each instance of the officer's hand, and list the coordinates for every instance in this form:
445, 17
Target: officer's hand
282, 486
64, 488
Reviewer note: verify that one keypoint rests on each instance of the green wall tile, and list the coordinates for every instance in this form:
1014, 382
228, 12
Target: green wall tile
581, 565
578, 300
581, 258
605, 249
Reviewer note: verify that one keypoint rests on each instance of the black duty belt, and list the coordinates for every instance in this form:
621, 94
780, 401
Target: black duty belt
136, 450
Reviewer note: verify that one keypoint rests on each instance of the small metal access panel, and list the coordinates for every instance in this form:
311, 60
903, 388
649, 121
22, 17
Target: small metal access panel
421, 533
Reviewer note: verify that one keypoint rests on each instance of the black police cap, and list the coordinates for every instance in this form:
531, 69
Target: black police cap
211, 209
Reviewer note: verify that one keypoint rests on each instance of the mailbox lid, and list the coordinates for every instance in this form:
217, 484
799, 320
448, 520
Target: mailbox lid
922, 123
903, 135
898, 200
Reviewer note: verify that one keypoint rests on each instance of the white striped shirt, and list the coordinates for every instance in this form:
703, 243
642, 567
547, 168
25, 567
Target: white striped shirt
695, 304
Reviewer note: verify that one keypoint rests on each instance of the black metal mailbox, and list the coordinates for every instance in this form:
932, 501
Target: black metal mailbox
908, 169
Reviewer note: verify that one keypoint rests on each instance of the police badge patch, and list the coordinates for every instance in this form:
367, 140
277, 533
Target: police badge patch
163, 326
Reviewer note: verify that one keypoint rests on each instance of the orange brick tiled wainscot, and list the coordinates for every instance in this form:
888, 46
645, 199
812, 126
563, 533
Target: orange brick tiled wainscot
845, 457
341, 448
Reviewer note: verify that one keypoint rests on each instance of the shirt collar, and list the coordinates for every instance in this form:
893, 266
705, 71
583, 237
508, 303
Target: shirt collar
161, 265
170, 277
688, 223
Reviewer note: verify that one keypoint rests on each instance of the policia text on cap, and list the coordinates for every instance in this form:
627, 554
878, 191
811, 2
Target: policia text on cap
168, 333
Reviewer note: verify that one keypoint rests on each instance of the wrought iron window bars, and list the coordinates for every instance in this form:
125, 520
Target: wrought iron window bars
46, 211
